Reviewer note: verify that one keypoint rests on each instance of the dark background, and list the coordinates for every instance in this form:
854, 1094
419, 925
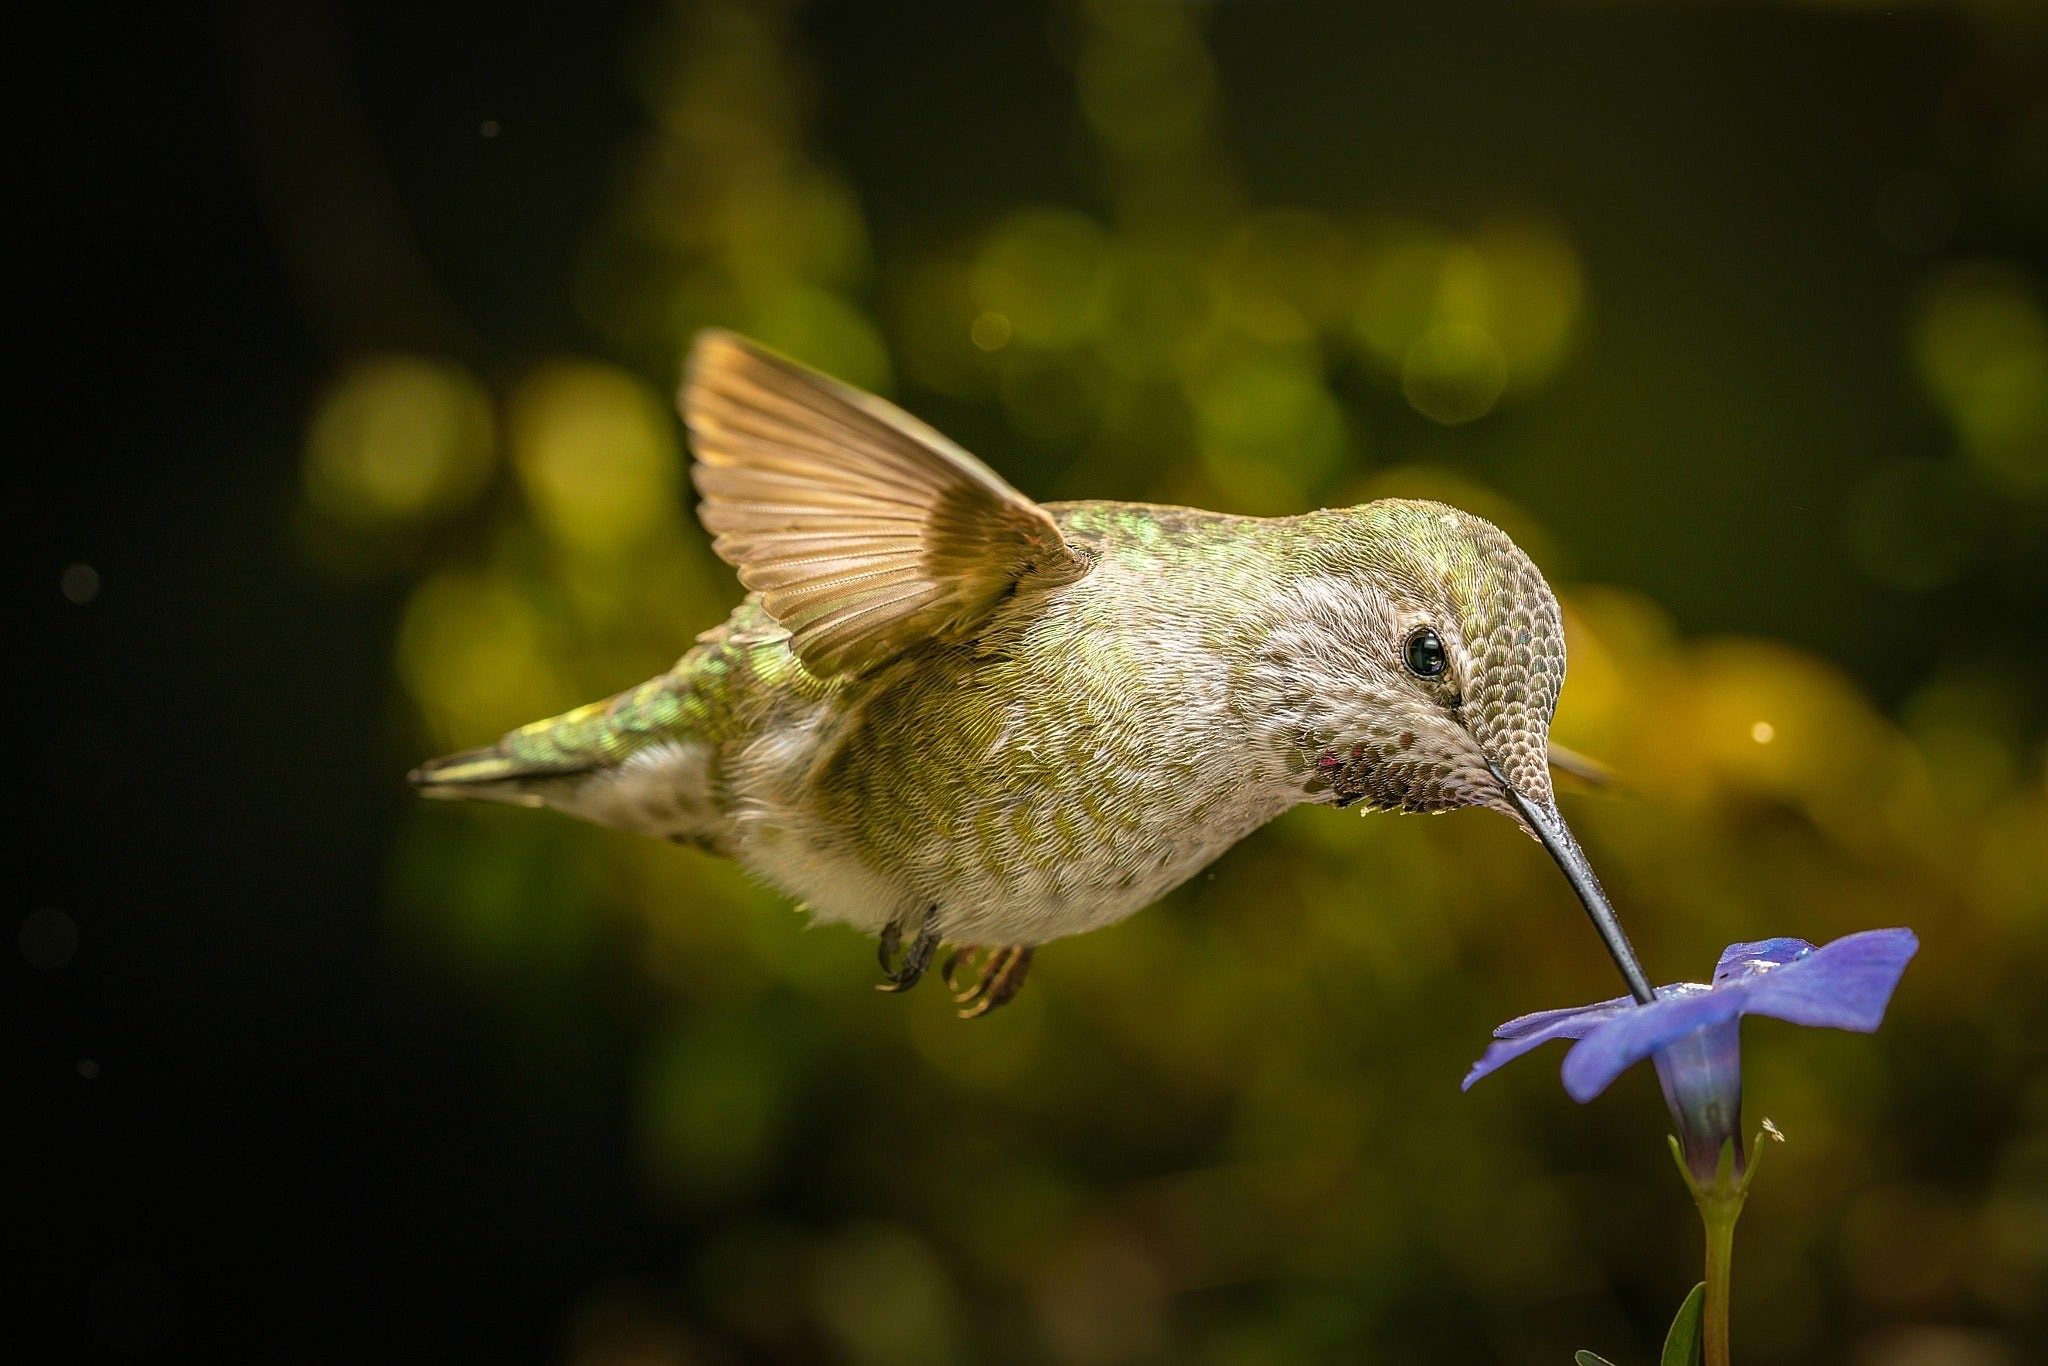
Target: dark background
283, 1103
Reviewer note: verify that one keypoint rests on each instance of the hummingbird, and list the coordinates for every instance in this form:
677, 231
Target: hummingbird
969, 723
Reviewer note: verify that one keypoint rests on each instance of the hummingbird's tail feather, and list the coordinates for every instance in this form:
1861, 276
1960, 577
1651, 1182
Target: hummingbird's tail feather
543, 763
647, 760
485, 774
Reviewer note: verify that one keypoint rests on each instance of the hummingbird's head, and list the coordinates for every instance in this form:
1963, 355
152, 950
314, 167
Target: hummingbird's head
1418, 654
1415, 660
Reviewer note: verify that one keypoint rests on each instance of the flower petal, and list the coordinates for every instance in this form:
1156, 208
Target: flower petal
1533, 1031
1543, 1019
1843, 985
1526, 1032
1630, 1036
1763, 955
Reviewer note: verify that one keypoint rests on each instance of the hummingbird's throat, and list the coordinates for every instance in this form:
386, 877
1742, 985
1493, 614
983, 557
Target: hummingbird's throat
1386, 778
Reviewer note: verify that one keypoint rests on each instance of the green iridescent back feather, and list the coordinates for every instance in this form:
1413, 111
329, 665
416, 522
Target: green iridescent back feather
717, 692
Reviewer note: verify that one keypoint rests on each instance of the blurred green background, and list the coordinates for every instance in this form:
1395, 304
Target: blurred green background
1733, 316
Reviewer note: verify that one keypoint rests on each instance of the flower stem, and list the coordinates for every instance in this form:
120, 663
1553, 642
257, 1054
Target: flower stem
1718, 1212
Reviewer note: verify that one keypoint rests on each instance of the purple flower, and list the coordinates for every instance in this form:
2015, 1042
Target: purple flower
1692, 1030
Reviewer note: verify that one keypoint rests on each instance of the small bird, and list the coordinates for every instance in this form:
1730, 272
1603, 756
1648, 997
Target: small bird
958, 719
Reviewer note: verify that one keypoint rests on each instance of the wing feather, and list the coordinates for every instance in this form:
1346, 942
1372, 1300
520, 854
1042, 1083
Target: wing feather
864, 530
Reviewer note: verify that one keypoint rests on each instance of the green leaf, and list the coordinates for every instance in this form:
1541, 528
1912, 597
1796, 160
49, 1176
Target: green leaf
1582, 1357
1682, 1344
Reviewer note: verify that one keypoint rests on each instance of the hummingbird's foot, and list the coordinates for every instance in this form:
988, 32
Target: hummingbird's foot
1002, 975
949, 971
905, 974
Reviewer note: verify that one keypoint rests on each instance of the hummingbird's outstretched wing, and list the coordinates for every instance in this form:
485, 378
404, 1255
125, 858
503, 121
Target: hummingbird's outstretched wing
1584, 767
864, 531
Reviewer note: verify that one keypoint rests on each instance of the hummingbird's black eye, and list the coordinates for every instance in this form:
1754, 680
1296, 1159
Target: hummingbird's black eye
1424, 654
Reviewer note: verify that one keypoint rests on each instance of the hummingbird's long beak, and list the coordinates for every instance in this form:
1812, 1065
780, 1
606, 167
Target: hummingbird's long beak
1556, 837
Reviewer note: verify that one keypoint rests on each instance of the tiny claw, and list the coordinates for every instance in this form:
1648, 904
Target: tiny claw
949, 969
916, 958
984, 980
1000, 981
